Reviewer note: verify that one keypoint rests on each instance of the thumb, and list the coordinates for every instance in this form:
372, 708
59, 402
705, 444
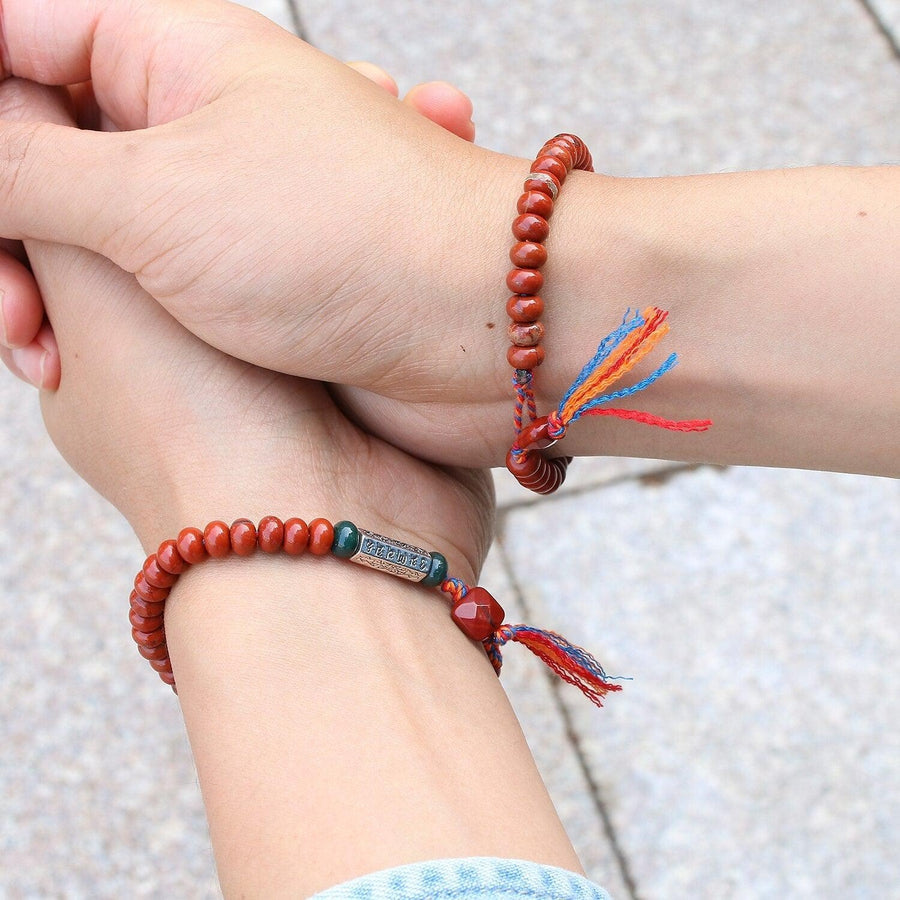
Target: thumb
58, 183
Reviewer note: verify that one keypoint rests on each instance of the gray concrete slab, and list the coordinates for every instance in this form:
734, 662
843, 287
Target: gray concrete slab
756, 754
888, 14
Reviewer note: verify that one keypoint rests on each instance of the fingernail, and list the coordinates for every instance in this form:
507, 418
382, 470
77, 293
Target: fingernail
3, 332
30, 364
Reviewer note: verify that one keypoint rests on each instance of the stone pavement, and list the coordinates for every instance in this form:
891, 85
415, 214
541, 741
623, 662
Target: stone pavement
756, 753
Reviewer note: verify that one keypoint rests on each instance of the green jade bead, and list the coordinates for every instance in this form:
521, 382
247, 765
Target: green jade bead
346, 540
437, 572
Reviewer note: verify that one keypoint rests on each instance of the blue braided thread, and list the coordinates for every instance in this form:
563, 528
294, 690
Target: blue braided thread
625, 392
607, 345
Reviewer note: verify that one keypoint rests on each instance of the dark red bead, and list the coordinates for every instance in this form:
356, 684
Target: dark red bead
478, 614
529, 227
270, 534
147, 591
146, 624
168, 678
528, 255
153, 639
525, 357
145, 608
321, 537
526, 334
217, 539
537, 202
160, 652
561, 151
157, 577
161, 665
169, 559
243, 537
524, 309
552, 166
190, 545
525, 281
296, 537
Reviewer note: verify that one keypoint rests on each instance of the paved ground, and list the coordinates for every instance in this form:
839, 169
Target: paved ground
756, 754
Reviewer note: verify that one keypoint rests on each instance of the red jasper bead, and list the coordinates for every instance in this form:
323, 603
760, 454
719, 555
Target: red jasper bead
144, 607
538, 184
161, 665
530, 227
243, 537
296, 537
536, 202
157, 577
168, 678
528, 255
525, 281
270, 534
321, 537
147, 591
169, 559
525, 357
145, 624
477, 614
217, 539
524, 309
550, 165
160, 652
153, 639
525, 335
562, 152
190, 546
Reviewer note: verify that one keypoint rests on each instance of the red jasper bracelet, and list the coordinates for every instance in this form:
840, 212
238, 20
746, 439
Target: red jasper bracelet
474, 610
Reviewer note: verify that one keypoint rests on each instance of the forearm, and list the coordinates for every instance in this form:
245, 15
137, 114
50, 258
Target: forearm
783, 289
342, 724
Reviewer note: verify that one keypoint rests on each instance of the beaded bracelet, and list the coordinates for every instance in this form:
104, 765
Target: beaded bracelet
473, 609
617, 354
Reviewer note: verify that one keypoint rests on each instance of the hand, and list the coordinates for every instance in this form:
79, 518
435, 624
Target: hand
267, 198
324, 704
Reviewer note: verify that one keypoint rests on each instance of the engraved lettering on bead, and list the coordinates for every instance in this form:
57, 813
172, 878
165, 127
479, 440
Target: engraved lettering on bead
546, 179
387, 555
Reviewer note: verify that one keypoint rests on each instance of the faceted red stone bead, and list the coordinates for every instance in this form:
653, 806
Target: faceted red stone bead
536, 202
146, 624
526, 334
157, 577
321, 536
296, 537
217, 539
147, 591
160, 652
153, 639
190, 545
525, 357
270, 534
550, 165
161, 665
530, 227
524, 281
528, 255
524, 309
538, 184
243, 537
477, 614
169, 559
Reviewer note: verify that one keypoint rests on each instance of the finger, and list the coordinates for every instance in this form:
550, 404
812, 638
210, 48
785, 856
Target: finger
445, 105
133, 51
376, 74
21, 307
39, 151
38, 363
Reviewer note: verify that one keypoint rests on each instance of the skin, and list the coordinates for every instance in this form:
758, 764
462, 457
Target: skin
763, 273
364, 729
